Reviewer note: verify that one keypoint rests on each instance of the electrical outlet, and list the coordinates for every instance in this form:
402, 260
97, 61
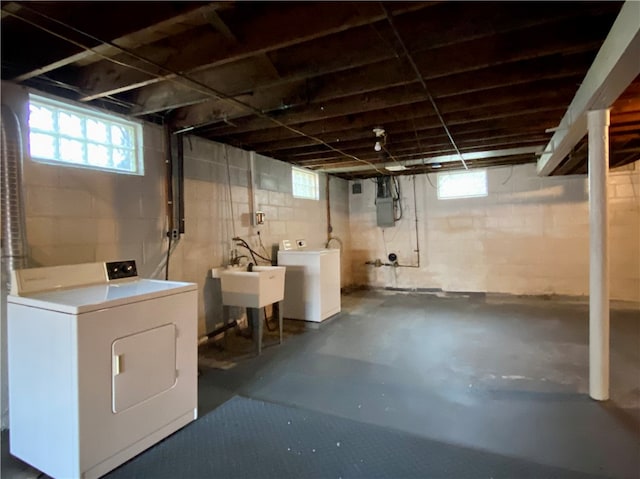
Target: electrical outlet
300, 243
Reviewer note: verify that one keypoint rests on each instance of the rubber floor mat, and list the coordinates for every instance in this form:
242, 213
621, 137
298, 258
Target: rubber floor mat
251, 439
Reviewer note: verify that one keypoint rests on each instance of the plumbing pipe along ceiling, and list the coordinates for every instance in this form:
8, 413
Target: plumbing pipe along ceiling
453, 84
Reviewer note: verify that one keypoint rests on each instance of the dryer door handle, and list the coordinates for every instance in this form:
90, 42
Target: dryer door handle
118, 363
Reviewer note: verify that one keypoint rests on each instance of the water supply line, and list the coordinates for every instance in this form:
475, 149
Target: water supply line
392, 262
14, 239
415, 216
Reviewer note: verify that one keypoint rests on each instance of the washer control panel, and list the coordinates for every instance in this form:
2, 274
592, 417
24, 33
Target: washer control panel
121, 269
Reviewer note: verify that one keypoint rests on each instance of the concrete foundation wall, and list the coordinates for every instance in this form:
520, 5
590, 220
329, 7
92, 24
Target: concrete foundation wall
76, 215
217, 208
530, 235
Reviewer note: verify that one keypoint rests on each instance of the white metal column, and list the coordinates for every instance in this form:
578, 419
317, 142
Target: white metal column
598, 126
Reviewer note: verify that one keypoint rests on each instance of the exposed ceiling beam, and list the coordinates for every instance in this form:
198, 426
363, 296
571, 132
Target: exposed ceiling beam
615, 67
423, 136
297, 24
365, 149
162, 29
442, 159
407, 118
563, 39
361, 80
438, 168
330, 115
437, 58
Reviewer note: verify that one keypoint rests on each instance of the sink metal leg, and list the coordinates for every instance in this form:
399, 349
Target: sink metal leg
280, 313
260, 320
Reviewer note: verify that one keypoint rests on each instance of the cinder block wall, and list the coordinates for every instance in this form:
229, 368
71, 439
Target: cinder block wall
78, 215
530, 235
217, 207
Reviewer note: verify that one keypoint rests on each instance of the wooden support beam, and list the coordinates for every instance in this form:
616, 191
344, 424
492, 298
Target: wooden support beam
262, 30
128, 30
529, 151
550, 91
459, 122
358, 80
364, 47
480, 56
614, 68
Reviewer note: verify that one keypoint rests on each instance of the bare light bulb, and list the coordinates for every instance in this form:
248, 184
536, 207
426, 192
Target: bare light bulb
377, 146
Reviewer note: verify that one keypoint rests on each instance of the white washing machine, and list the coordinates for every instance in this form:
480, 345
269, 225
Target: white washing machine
312, 283
102, 365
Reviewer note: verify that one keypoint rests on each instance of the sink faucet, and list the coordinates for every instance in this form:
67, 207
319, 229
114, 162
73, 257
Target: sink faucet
236, 259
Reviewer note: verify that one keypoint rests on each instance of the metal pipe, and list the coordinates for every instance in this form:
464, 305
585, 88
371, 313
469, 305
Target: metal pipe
328, 193
179, 178
598, 123
222, 329
377, 263
14, 240
415, 214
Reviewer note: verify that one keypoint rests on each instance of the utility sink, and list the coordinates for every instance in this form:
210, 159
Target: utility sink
252, 289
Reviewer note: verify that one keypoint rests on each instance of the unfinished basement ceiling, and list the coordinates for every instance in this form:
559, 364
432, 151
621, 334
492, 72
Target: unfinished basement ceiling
307, 82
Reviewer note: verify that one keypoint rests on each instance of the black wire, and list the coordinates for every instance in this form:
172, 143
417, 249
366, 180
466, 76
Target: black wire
244, 244
266, 321
396, 183
261, 244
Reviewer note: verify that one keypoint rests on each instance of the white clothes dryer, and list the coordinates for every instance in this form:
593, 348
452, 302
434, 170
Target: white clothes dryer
102, 365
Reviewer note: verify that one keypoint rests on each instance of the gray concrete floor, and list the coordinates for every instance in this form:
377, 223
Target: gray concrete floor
504, 375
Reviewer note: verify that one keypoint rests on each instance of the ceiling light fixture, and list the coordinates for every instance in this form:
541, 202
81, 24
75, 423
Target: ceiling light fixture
396, 167
381, 138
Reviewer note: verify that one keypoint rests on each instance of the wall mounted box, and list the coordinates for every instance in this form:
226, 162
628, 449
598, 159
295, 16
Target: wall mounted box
385, 212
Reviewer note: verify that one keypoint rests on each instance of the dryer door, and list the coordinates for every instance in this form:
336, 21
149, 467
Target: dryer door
143, 366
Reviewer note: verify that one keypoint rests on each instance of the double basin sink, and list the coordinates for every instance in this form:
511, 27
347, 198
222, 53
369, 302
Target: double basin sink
260, 287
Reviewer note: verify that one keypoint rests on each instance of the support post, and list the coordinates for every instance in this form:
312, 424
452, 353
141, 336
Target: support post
598, 127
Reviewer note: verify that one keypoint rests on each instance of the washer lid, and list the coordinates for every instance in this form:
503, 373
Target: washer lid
101, 296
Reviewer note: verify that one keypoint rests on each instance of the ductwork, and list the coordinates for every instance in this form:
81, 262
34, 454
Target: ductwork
13, 231
14, 240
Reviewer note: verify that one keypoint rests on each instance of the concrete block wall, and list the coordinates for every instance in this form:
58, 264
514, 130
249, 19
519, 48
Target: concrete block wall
624, 231
530, 235
217, 208
76, 215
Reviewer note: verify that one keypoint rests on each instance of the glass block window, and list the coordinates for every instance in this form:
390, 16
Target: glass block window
462, 184
71, 135
305, 184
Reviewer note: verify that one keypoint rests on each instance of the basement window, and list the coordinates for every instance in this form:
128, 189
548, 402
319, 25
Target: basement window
66, 134
305, 184
462, 184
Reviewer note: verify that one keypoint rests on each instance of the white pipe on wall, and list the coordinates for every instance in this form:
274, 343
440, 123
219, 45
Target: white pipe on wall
598, 127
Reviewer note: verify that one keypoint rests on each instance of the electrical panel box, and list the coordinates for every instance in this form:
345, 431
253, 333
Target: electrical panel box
385, 212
